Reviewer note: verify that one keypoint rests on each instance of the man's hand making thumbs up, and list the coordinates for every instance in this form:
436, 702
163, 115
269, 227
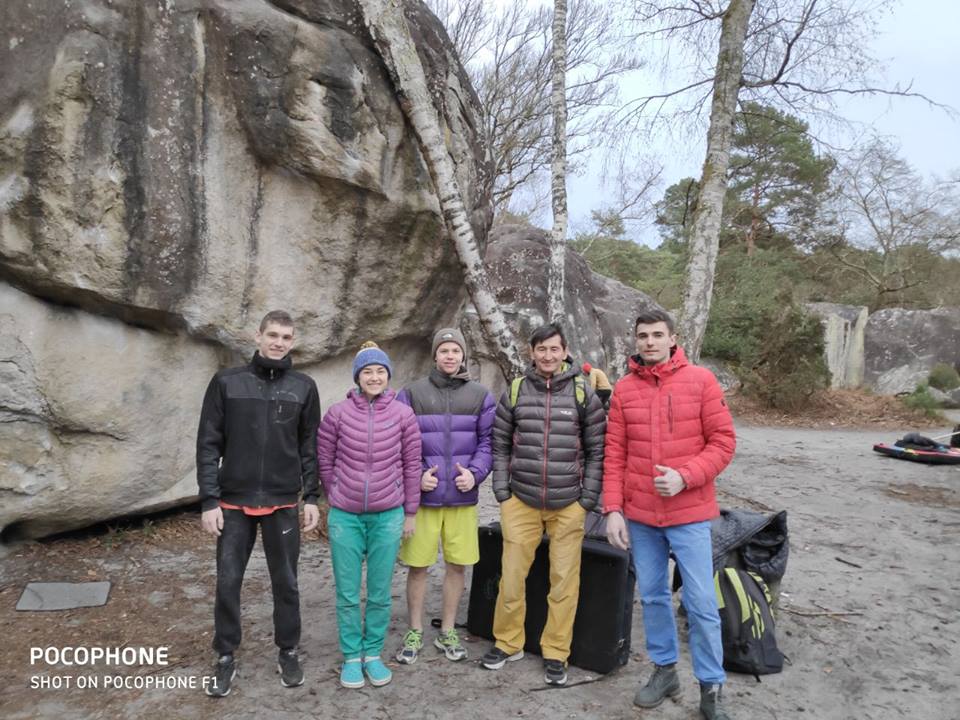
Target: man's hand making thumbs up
428, 481
465, 480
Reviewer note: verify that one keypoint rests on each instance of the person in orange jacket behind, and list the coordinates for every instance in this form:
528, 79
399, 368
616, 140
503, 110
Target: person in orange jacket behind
599, 382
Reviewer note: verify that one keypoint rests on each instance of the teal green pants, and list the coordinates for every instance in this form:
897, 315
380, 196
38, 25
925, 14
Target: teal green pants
354, 537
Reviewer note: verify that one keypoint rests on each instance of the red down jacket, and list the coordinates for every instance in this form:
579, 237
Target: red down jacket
669, 414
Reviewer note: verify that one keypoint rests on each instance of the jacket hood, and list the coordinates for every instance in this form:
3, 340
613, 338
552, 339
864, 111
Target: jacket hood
677, 360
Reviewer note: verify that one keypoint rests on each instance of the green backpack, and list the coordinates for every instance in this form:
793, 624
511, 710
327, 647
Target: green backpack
747, 627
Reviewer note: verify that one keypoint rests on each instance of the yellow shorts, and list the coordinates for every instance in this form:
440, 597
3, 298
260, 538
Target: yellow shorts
456, 526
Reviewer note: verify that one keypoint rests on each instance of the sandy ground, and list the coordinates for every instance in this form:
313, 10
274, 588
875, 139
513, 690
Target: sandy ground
874, 540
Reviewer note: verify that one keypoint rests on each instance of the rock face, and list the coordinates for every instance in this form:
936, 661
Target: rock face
902, 346
600, 312
722, 371
168, 173
946, 399
843, 332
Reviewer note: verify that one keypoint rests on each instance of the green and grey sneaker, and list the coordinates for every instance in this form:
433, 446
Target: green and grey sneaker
412, 644
449, 642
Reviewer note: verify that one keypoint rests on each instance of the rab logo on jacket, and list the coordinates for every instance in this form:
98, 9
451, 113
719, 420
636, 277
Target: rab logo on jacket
568, 413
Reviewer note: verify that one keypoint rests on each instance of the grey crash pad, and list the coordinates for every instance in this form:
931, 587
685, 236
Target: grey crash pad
63, 596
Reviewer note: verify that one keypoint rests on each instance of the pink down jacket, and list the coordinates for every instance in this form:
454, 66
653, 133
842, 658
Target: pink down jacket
368, 454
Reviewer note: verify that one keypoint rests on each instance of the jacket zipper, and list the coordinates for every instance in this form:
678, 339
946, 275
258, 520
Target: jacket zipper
366, 481
448, 431
546, 445
654, 446
670, 411
266, 432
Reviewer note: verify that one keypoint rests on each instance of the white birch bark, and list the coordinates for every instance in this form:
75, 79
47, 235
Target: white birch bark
558, 169
705, 233
391, 36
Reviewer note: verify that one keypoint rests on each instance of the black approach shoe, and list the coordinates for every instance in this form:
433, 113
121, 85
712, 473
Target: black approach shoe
288, 665
224, 672
496, 658
662, 684
710, 702
554, 672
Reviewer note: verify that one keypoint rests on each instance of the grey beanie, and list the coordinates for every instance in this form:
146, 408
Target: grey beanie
449, 335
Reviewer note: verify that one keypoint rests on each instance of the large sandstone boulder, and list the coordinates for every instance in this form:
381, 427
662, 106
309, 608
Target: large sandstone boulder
600, 312
169, 171
902, 346
843, 333
96, 416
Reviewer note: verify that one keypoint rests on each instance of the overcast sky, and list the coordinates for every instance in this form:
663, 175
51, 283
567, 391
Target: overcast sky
920, 43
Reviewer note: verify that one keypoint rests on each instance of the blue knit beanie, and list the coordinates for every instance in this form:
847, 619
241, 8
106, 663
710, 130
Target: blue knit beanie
370, 354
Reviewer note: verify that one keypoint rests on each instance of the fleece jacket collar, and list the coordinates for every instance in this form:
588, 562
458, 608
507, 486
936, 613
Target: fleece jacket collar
264, 366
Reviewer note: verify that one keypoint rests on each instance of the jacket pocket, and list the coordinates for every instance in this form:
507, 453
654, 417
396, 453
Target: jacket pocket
287, 408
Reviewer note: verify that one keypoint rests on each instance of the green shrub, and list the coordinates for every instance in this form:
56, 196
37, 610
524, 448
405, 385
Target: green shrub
774, 346
921, 399
944, 377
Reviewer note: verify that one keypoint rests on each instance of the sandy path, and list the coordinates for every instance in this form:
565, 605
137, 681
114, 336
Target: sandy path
898, 521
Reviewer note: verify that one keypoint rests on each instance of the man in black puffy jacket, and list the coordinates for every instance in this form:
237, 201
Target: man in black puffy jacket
547, 472
256, 452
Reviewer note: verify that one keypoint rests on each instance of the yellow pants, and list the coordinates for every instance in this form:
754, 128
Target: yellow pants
522, 528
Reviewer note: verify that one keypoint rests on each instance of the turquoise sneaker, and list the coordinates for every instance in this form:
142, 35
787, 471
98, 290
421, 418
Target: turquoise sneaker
351, 674
378, 673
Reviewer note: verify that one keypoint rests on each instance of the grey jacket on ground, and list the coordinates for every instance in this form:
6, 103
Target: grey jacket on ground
541, 453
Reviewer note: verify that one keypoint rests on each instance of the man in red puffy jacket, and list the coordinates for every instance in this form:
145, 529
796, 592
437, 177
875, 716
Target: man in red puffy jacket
669, 434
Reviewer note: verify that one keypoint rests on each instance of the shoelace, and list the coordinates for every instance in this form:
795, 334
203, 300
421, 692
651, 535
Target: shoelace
450, 637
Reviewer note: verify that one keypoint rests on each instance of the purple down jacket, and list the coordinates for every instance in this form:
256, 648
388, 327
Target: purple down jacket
456, 422
368, 454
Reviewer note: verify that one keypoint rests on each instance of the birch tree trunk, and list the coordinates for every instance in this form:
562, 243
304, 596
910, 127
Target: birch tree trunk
391, 36
705, 233
558, 101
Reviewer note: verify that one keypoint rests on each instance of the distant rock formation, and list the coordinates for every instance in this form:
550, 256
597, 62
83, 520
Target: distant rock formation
600, 311
843, 327
890, 351
902, 346
170, 171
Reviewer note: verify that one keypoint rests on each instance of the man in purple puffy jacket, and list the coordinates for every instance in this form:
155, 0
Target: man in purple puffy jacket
455, 415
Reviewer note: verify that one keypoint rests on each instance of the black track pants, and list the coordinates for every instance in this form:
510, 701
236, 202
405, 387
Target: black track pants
280, 532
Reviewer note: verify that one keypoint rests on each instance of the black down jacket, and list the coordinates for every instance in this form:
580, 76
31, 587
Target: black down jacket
541, 453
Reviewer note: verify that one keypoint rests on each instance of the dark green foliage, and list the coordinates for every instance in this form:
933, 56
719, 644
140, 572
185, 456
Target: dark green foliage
921, 399
756, 324
674, 214
658, 273
944, 377
777, 180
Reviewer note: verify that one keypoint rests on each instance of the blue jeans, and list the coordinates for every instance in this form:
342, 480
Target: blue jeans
650, 547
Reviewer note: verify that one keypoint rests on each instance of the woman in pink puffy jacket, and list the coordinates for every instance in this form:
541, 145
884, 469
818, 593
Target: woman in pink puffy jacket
368, 456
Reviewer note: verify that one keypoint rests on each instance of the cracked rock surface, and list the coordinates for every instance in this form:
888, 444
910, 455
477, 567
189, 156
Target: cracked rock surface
169, 172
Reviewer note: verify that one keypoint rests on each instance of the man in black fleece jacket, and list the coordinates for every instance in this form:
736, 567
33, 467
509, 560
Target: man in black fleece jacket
256, 451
